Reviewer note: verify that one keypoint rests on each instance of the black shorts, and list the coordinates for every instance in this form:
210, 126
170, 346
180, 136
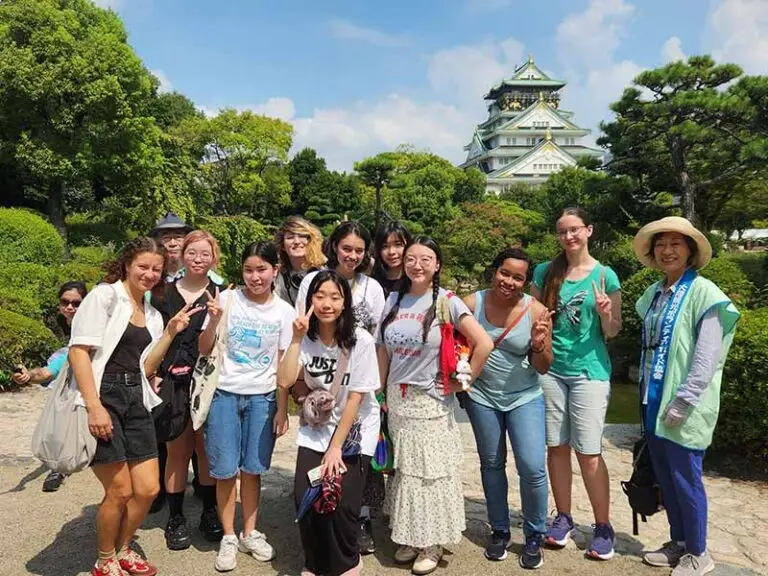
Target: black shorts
133, 430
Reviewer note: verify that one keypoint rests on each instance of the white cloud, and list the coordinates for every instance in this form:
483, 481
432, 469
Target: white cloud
278, 107
346, 30
483, 5
672, 51
165, 83
737, 31
114, 4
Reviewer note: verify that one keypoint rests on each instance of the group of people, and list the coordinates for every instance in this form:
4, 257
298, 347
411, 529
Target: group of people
336, 321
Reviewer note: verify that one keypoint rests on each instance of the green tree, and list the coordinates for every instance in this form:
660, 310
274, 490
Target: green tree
170, 109
376, 172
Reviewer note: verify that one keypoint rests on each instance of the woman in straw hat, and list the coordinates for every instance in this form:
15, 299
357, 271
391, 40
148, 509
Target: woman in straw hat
688, 327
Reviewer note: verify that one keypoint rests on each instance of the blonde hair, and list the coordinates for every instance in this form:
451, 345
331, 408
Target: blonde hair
298, 225
199, 236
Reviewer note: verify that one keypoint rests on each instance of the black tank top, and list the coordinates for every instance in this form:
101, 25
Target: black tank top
125, 358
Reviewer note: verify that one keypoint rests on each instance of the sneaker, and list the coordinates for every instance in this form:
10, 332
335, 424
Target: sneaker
134, 565
109, 567
177, 535
601, 547
226, 559
210, 526
427, 560
53, 482
531, 557
497, 545
691, 565
257, 546
559, 531
668, 556
405, 554
365, 542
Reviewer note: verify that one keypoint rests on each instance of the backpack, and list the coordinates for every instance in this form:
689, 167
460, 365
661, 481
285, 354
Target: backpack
642, 489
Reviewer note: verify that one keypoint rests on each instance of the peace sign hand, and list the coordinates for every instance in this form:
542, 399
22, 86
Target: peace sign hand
602, 301
180, 321
301, 324
214, 310
541, 329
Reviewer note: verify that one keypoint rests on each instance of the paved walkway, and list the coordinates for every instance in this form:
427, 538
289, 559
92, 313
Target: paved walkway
52, 534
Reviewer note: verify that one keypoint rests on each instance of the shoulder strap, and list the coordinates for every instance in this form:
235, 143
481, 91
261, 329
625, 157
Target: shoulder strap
221, 329
341, 370
514, 322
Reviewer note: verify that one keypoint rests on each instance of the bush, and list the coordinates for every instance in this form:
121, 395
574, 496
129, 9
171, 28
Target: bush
71, 271
742, 428
22, 341
86, 229
234, 233
754, 265
22, 301
543, 249
620, 256
94, 256
35, 279
728, 276
26, 237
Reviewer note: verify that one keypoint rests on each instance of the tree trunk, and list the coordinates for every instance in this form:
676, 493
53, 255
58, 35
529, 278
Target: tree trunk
687, 187
56, 211
689, 196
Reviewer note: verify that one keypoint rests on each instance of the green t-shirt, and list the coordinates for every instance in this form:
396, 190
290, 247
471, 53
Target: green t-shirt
578, 342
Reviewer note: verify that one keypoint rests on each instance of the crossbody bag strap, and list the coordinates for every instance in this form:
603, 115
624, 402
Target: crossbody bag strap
341, 370
222, 333
515, 321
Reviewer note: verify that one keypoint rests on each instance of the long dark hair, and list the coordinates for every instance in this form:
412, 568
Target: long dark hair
515, 253
559, 265
264, 250
429, 317
342, 231
387, 229
345, 323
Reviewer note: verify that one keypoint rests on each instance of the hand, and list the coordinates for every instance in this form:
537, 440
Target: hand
180, 321
214, 310
602, 301
301, 324
541, 330
100, 422
676, 413
21, 377
332, 463
280, 423
155, 383
454, 385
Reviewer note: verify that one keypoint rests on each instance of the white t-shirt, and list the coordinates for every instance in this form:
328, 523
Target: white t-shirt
255, 334
367, 300
319, 362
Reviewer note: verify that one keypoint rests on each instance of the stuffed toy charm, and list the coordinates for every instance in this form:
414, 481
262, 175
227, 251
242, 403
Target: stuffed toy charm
463, 369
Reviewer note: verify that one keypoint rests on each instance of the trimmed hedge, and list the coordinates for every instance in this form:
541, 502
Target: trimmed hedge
23, 341
729, 277
86, 229
234, 233
26, 237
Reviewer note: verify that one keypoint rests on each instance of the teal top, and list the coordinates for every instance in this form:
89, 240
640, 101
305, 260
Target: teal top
508, 379
578, 342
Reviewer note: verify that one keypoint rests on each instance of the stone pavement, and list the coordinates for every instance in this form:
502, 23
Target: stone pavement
52, 534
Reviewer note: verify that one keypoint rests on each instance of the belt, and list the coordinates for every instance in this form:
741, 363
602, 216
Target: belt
128, 379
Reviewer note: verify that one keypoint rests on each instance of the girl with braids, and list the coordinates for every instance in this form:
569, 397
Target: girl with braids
425, 501
586, 298
300, 248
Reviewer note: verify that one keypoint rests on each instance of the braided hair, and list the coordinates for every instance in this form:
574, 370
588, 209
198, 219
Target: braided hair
429, 317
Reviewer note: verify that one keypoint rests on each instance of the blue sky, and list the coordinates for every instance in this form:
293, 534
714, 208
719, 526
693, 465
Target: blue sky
357, 77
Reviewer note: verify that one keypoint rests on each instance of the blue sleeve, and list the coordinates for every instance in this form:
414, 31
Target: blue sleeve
540, 275
56, 362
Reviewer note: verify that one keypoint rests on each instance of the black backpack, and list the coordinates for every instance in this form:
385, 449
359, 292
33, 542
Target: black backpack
642, 489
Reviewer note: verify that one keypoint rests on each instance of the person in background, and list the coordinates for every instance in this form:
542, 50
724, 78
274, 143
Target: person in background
199, 254
71, 295
586, 298
117, 342
425, 499
330, 540
680, 381
506, 399
300, 246
246, 414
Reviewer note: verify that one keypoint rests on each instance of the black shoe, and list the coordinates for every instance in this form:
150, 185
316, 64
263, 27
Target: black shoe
210, 527
53, 482
158, 503
365, 542
531, 558
497, 546
177, 535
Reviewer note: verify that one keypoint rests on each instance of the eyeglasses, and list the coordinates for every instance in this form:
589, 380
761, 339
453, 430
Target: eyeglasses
290, 237
424, 260
74, 303
165, 236
194, 255
572, 231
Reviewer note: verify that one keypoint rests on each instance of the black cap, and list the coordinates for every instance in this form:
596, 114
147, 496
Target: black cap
170, 222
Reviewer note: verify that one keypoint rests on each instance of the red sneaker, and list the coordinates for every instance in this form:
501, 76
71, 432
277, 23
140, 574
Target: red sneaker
109, 567
134, 565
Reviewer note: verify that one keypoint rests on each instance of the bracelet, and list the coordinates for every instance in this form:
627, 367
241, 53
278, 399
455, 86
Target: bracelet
539, 351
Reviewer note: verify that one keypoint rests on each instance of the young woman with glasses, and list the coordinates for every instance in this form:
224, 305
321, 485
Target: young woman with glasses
300, 247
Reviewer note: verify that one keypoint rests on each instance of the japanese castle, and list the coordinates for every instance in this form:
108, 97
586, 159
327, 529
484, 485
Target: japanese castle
526, 136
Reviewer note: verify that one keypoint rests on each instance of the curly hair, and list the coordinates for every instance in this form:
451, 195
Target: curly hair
298, 225
117, 269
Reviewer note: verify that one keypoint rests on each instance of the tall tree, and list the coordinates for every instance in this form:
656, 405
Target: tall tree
377, 173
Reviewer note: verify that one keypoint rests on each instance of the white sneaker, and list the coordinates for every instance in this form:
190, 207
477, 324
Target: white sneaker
427, 560
405, 554
691, 565
257, 546
226, 559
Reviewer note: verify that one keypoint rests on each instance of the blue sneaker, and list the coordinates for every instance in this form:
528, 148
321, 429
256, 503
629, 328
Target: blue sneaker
559, 531
531, 557
601, 547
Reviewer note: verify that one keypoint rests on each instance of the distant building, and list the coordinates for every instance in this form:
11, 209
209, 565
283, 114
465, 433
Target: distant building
526, 136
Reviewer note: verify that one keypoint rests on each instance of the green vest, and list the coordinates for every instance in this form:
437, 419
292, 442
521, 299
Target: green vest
697, 429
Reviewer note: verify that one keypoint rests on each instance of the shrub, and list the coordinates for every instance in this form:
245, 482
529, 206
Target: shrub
22, 301
234, 233
70, 271
34, 279
620, 256
754, 265
22, 341
93, 255
86, 229
543, 249
742, 428
730, 279
26, 237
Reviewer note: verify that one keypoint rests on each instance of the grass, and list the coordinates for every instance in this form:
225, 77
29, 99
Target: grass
624, 406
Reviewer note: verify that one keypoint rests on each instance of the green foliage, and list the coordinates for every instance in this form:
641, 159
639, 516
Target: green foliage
620, 256
543, 249
171, 109
22, 341
34, 280
234, 233
94, 256
754, 265
95, 229
21, 301
742, 428
26, 237
729, 277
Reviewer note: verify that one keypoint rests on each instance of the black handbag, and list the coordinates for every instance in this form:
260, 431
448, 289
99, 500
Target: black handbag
642, 489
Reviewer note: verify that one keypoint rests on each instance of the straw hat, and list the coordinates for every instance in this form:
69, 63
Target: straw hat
642, 241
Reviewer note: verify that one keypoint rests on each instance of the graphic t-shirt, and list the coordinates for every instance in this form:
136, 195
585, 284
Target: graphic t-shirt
413, 361
578, 342
255, 334
362, 375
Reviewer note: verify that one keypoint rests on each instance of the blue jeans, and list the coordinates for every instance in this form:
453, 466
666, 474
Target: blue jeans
526, 430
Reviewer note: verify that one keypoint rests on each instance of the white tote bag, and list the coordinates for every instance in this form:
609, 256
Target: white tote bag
205, 377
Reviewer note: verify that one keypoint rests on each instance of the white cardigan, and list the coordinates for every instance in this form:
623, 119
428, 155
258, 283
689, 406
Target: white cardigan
100, 322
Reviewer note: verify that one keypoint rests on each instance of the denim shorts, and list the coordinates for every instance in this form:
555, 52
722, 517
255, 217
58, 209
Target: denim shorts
238, 433
575, 411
